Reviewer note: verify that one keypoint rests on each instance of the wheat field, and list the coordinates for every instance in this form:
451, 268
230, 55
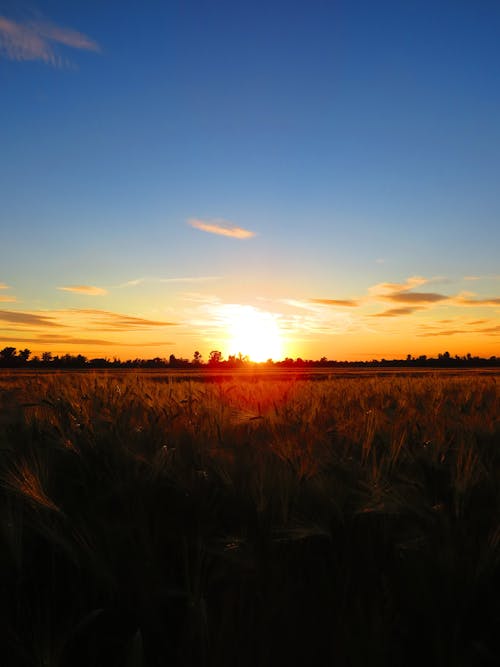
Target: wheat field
148, 520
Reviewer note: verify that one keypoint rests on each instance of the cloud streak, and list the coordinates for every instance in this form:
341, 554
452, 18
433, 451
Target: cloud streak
34, 40
220, 227
84, 289
392, 288
465, 301
30, 319
415, 297
117, 321
348, 303
75, 340
397, 312
189, 279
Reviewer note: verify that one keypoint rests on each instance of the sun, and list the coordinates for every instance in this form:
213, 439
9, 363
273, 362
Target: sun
254, 333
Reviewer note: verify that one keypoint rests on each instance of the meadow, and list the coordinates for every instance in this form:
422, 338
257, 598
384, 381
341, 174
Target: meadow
151, 519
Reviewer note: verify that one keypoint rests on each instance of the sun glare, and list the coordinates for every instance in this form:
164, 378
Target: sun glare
254, 333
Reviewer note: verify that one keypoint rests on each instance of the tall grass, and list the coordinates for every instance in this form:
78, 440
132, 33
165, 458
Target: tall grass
154, 522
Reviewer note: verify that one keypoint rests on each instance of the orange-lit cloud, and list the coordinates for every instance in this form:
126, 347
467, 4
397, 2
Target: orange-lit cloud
221, 227
29, 319
34, 40
117, 321
82, 319
396, 312
86, 328
349, 303
469, 301
74, 340
388, 288
84, 289
4, 286
446, 332
415, 297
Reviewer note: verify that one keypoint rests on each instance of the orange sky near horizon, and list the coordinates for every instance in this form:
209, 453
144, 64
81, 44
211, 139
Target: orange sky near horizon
389, 320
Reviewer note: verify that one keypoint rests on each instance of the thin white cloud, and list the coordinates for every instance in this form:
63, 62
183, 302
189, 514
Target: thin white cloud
221, 227
183, 279
491, 276
35, 40
132, 283
190, 279
84, 289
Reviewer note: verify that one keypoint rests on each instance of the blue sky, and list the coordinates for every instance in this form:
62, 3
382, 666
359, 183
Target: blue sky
357, 142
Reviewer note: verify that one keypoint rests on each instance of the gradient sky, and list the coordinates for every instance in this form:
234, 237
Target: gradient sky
172, 173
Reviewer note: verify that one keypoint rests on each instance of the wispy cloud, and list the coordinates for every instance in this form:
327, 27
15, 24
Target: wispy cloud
487, 331
84, 289
75, 340
30, 319
221, 227
415, 297
445, 332
390, 288
82, 319
397, 312
132, 283
490, 276
180, 279
469, 301
349, 303
117, 321
191, 279
4, 286
35, 40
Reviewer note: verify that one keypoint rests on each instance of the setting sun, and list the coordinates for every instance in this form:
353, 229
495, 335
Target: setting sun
254, 333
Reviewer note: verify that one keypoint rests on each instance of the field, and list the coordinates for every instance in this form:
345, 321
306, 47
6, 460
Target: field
249, 520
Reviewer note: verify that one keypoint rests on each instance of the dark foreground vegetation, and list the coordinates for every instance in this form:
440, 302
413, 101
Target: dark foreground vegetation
146, 521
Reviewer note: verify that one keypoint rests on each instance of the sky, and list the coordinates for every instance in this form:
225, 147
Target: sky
299, 179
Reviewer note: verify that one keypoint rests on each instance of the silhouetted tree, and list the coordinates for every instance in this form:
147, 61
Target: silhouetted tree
8, 356
214, 358
46, 357
23, 355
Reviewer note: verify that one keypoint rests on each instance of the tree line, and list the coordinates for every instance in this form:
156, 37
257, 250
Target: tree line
10, 357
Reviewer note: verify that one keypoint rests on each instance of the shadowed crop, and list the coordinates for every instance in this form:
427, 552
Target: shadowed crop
146, 521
